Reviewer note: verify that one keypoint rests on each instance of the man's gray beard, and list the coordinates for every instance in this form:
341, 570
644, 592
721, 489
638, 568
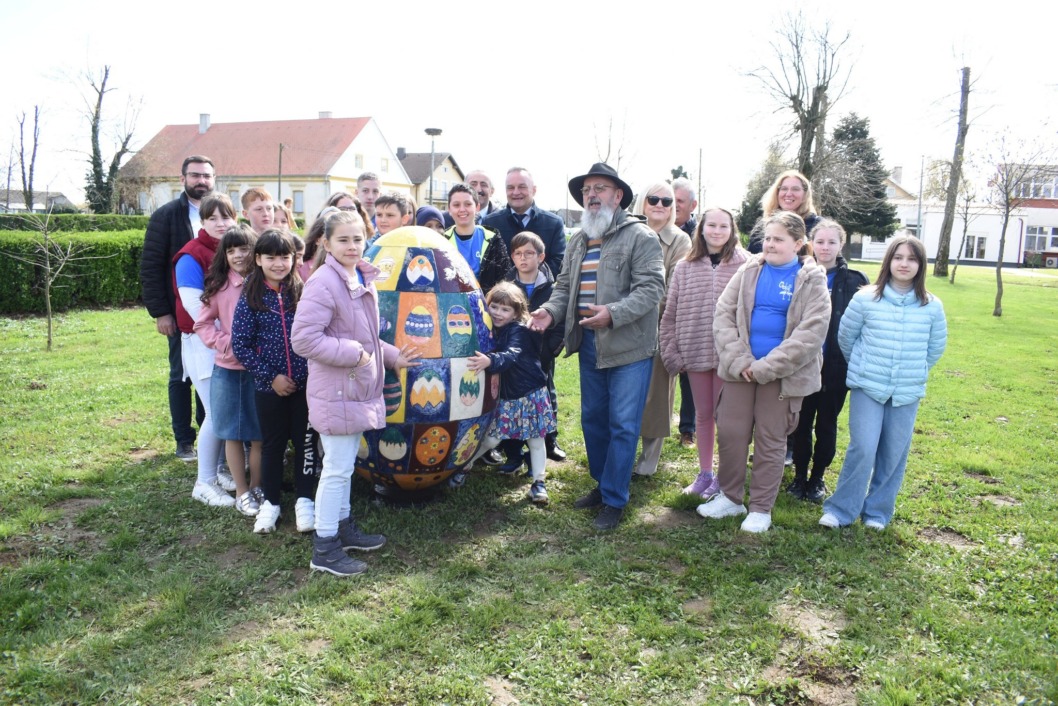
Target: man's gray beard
596, 224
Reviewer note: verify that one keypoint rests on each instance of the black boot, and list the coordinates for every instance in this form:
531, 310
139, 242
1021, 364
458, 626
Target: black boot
799, 484
553, 451
816, 489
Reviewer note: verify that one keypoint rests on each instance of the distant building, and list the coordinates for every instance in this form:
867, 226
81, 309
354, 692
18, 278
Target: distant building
446, 172
1032, 234
319, 157
14, 201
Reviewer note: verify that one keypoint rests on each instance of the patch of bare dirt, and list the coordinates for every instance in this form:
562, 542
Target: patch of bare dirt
947, 537
668, 518
65, 528
141, 454
1000, 500
818, 626
245, 631
119, 420
697, 606
1017, 541
314, 647
235, 555
500, 689
988, 480
192, 540
675, 567
489, 524
818, 683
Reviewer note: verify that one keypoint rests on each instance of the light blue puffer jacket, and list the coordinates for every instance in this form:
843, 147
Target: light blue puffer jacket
891, 343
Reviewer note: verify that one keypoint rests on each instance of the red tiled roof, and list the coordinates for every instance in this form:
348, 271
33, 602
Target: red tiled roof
311, 147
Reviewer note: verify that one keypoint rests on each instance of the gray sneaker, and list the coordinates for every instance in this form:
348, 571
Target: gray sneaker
186, 453
328, 555
353, 538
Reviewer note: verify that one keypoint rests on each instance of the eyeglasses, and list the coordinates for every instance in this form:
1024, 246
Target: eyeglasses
597, 188
665, 200
525, 255
346, 208
198, 175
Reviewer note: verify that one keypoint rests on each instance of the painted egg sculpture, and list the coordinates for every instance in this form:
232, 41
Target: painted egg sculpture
437, 412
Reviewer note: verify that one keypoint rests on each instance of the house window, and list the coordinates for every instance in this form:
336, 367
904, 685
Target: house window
975, 247
434, 185
234, 196
299, 202
359, 161
911, 228
1038, 187
142, 201
385, 166
177, 192
1040, 238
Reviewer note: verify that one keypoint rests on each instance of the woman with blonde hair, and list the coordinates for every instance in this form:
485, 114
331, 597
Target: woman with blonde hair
791, 191
657, 205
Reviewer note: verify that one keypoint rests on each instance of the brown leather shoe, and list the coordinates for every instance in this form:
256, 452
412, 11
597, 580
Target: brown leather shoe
687, 440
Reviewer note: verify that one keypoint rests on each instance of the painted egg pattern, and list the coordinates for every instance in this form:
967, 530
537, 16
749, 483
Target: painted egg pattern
468, 445
458, 322
428, 391
433, 446
391, 392
469, 388
420, 271
392, 444
419, 325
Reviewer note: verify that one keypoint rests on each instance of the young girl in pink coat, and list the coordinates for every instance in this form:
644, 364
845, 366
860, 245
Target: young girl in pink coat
336, 330
687, 328
232, 392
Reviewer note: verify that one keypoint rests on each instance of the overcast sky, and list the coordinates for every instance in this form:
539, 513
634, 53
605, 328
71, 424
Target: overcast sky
536, 84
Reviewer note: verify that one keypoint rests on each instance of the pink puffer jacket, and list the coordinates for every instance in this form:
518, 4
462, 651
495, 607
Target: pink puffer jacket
336, 321
213, 324
687, 321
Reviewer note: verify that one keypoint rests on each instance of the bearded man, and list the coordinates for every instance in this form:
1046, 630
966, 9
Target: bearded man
607, 296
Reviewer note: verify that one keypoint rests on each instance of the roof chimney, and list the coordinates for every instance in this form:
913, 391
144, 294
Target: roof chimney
203, 123
898, 174
325, 114
401, 153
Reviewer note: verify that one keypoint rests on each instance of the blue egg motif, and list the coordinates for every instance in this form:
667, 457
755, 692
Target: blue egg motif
419, 325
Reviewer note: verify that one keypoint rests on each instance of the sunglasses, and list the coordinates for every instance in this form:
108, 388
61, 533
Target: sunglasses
665, 200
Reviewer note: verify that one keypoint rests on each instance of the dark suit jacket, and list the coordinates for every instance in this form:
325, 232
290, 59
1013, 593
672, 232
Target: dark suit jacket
544, 223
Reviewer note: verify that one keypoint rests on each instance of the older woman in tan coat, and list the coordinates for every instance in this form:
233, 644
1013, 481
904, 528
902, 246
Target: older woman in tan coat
656, 203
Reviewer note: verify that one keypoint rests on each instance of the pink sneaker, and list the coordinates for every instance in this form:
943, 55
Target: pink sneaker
705, 485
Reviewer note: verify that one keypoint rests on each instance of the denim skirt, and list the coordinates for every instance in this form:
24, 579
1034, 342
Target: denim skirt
232, 405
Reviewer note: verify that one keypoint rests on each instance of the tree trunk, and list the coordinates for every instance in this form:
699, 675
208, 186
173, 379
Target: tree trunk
940, 265
998, 310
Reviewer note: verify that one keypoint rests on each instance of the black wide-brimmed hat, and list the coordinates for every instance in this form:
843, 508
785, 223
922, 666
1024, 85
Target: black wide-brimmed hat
604, 170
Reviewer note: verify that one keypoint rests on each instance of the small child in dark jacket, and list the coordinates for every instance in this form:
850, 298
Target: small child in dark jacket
532, 275
523, 410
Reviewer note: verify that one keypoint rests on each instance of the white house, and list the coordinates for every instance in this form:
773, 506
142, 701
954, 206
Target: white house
1032, 234
303, 160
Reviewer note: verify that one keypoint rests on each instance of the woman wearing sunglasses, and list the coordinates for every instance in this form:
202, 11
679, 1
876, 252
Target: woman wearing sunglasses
657, 205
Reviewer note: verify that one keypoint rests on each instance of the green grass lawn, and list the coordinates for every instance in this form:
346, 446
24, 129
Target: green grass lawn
116, 587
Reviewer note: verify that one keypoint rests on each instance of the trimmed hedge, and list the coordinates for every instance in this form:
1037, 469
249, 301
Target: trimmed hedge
75, 222
111, 280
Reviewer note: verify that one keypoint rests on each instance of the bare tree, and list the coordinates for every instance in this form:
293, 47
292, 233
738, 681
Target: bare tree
100, 189
50, 257
967, 196
611, 150
807, 78
27, 175
1019, 169
940, 263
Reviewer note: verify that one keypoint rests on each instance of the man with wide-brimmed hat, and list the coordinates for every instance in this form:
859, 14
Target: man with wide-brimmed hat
607, 296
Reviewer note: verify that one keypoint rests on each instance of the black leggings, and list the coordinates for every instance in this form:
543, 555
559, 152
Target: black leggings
823, 407
284, 419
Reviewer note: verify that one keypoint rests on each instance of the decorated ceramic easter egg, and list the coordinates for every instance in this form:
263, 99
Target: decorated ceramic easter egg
437, 412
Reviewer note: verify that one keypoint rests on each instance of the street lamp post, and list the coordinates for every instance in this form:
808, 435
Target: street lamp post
432, 132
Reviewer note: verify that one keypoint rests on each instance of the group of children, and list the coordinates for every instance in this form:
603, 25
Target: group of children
288, 352
772, 343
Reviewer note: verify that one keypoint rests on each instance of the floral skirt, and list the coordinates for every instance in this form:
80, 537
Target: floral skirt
530, 417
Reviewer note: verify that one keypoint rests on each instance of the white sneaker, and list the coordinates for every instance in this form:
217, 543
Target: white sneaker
874, 525
757, 522
224, 479
719, 507
267, 517
211, 494
828, 520
305, 515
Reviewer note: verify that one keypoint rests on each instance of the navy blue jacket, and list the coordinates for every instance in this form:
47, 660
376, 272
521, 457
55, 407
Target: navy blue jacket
551, 340
261, 342
846, 283
544, 223
517, 358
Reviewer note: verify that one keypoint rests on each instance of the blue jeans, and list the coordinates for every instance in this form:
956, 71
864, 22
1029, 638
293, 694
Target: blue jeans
879, 441
611, 412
